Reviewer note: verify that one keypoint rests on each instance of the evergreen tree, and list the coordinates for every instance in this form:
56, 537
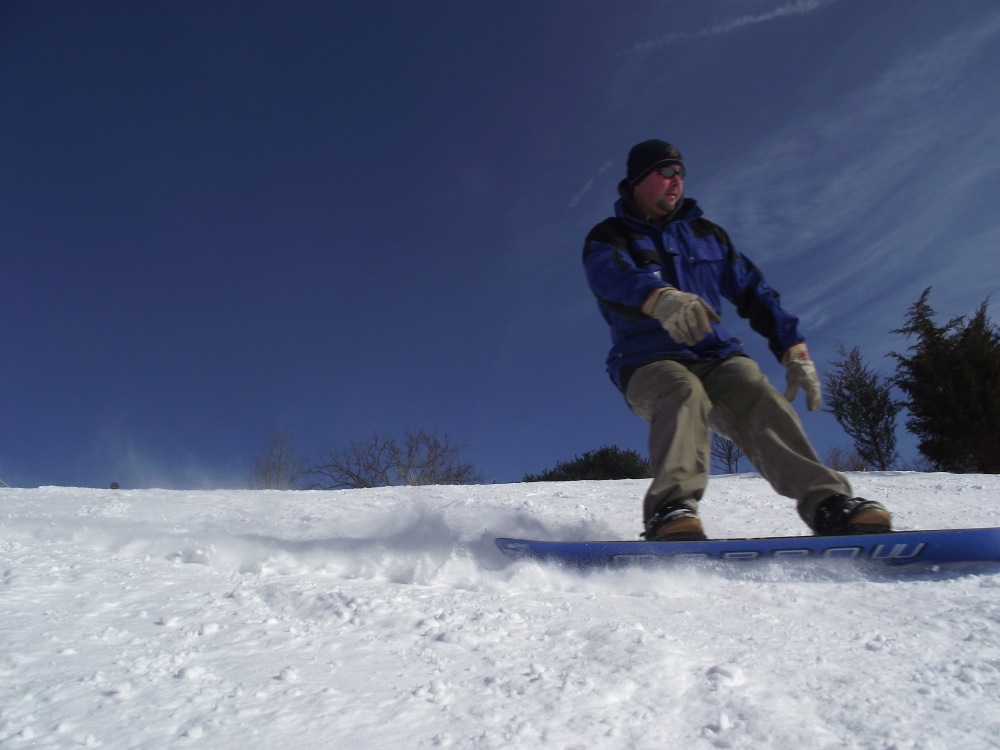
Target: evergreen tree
607, 462
951, 376
862, 403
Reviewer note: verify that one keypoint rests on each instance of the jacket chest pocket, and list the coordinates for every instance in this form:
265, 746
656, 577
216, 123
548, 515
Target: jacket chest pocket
702, 263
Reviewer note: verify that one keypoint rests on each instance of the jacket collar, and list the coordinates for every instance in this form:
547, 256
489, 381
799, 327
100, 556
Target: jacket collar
625, 208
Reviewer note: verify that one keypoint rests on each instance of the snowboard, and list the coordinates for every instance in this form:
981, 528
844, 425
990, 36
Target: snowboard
951, 548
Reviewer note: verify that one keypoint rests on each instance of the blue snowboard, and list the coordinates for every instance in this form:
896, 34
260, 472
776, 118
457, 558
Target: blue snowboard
940, 548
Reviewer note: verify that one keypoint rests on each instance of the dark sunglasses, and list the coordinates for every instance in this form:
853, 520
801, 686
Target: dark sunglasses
673, 170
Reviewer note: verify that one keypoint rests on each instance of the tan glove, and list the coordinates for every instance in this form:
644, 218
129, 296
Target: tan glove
801, 373
683, 315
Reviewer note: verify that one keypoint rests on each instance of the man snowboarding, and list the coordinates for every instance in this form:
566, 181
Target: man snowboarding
660, 271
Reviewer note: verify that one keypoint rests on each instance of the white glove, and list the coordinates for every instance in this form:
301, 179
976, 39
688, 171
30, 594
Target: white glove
801, 373
683, 315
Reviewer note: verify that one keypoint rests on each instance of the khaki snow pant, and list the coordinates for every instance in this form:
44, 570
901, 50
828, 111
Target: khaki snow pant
684, 401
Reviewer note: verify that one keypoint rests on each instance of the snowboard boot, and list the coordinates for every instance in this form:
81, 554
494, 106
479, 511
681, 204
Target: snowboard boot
851, 515
674, 523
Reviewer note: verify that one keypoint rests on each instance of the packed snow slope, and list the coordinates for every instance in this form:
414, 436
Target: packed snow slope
386, 619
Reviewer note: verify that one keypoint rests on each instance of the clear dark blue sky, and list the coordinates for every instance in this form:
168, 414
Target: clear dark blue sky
336, 218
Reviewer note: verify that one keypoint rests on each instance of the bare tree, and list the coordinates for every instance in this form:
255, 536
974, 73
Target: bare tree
726, 454
845, 459
419, 458
281, 467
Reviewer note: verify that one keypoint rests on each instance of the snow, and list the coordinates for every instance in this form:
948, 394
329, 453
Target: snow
386, 619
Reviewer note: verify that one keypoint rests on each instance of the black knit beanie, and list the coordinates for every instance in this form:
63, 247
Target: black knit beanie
647, 156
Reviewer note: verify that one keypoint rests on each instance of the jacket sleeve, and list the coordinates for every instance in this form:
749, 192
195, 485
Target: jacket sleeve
744, 285
614, 278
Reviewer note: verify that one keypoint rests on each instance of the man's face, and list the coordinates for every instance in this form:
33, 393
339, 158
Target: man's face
659, 192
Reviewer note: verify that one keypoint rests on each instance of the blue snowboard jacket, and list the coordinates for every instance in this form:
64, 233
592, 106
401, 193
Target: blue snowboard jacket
627, 258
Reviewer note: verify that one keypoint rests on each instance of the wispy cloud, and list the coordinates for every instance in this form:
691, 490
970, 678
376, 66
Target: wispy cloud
887, 186
794, 8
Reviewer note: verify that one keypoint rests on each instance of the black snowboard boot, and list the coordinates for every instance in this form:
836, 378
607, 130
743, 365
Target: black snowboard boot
674, 523
851, 515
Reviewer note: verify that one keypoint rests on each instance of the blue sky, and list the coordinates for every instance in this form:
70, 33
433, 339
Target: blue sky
221, 218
